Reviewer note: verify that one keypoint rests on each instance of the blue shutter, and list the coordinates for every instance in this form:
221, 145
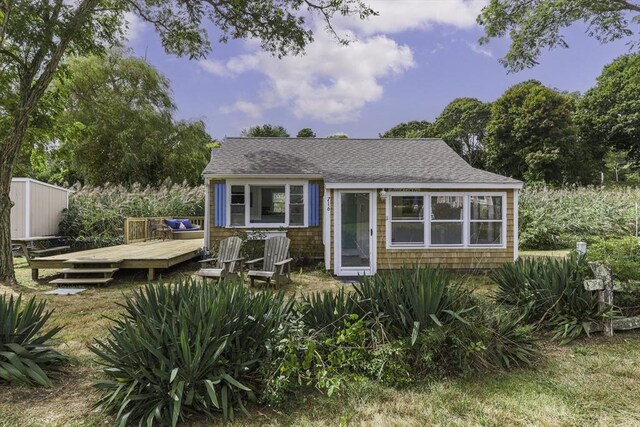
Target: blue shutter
220, 202
314, 205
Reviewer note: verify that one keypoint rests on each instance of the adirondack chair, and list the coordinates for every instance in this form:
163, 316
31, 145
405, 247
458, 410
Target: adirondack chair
225, 263
276, 252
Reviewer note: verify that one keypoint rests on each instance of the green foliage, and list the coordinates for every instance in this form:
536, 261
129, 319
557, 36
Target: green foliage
550, 292
95, 216
326, 312
306, 133
412, 129
609, 113
535, 26
531, 136
622, 254
409, 300
121, 129
189, 347
265, 131
338, 135
463, 126
25, 347
558, 218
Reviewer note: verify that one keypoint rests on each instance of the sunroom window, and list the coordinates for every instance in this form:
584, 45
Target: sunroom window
407, 220
485, 220
447, 220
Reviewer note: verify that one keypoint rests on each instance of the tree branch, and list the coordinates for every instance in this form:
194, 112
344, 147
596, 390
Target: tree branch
627, 5
5, 23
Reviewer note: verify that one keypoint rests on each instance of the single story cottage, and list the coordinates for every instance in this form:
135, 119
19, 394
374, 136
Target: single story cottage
363, 205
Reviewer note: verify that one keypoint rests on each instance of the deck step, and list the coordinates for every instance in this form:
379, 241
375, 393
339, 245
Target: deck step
88, 270
83, 281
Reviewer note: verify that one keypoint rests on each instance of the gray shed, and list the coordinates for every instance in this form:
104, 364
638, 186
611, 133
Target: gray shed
38, 207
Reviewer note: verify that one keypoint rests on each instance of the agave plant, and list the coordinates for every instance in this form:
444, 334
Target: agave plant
189, 348
25, 348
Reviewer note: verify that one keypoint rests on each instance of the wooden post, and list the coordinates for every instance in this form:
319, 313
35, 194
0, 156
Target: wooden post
151, 274
34, 273
602, 272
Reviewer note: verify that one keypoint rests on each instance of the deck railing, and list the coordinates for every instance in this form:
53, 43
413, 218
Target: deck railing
138, 230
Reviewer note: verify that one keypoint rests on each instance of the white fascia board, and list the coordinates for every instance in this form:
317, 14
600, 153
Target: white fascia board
429, 185
261, 176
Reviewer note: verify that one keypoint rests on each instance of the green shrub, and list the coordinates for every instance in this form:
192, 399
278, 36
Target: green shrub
325, 312
189, 348
25, 348
409, 300
95, 216
622, 254
549, 292
558, 218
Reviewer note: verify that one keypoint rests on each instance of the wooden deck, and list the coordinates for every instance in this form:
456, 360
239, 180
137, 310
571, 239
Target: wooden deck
149, 255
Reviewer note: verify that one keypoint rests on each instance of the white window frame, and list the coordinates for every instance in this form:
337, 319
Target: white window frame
465, 208
466, 223
266, 183
502, 221
390, 220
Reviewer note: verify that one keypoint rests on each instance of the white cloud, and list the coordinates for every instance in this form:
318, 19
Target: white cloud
480, 50
214, 67
134, 27
330, 82
397, 16
250, 109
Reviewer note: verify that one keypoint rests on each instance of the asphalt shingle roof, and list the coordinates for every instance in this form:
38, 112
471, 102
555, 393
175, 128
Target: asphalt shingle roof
386, 160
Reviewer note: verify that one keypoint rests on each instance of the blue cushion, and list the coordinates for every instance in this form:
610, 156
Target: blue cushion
187, 223
173, 223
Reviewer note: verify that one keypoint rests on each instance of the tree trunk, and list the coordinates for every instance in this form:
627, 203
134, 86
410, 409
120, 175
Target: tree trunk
9, 151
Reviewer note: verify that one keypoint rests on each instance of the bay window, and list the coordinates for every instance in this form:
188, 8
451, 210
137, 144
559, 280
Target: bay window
267, 205
453, 220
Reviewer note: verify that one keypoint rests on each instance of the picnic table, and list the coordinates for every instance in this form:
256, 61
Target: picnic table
38, 242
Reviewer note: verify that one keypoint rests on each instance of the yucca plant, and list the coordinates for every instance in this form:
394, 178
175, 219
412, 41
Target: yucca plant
25, 347
189, 348
326, 311
550, 292
409, 300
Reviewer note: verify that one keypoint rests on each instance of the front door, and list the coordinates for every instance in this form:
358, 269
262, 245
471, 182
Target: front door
355, 233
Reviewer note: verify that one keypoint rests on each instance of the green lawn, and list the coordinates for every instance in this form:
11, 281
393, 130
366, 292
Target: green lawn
591, 382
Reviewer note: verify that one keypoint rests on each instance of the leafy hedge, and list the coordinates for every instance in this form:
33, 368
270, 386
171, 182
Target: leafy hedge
95, 216
558, 218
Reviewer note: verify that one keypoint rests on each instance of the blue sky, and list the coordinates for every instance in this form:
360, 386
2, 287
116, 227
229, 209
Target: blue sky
406, 64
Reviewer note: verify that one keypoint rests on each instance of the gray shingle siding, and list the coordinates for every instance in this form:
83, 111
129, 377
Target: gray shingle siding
348, 160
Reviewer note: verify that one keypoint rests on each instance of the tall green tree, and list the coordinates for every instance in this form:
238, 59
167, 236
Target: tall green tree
412, 129
122, 110
535, 25
531, 136
463, 126
265, 131
36, 35
306, 133
609, 113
